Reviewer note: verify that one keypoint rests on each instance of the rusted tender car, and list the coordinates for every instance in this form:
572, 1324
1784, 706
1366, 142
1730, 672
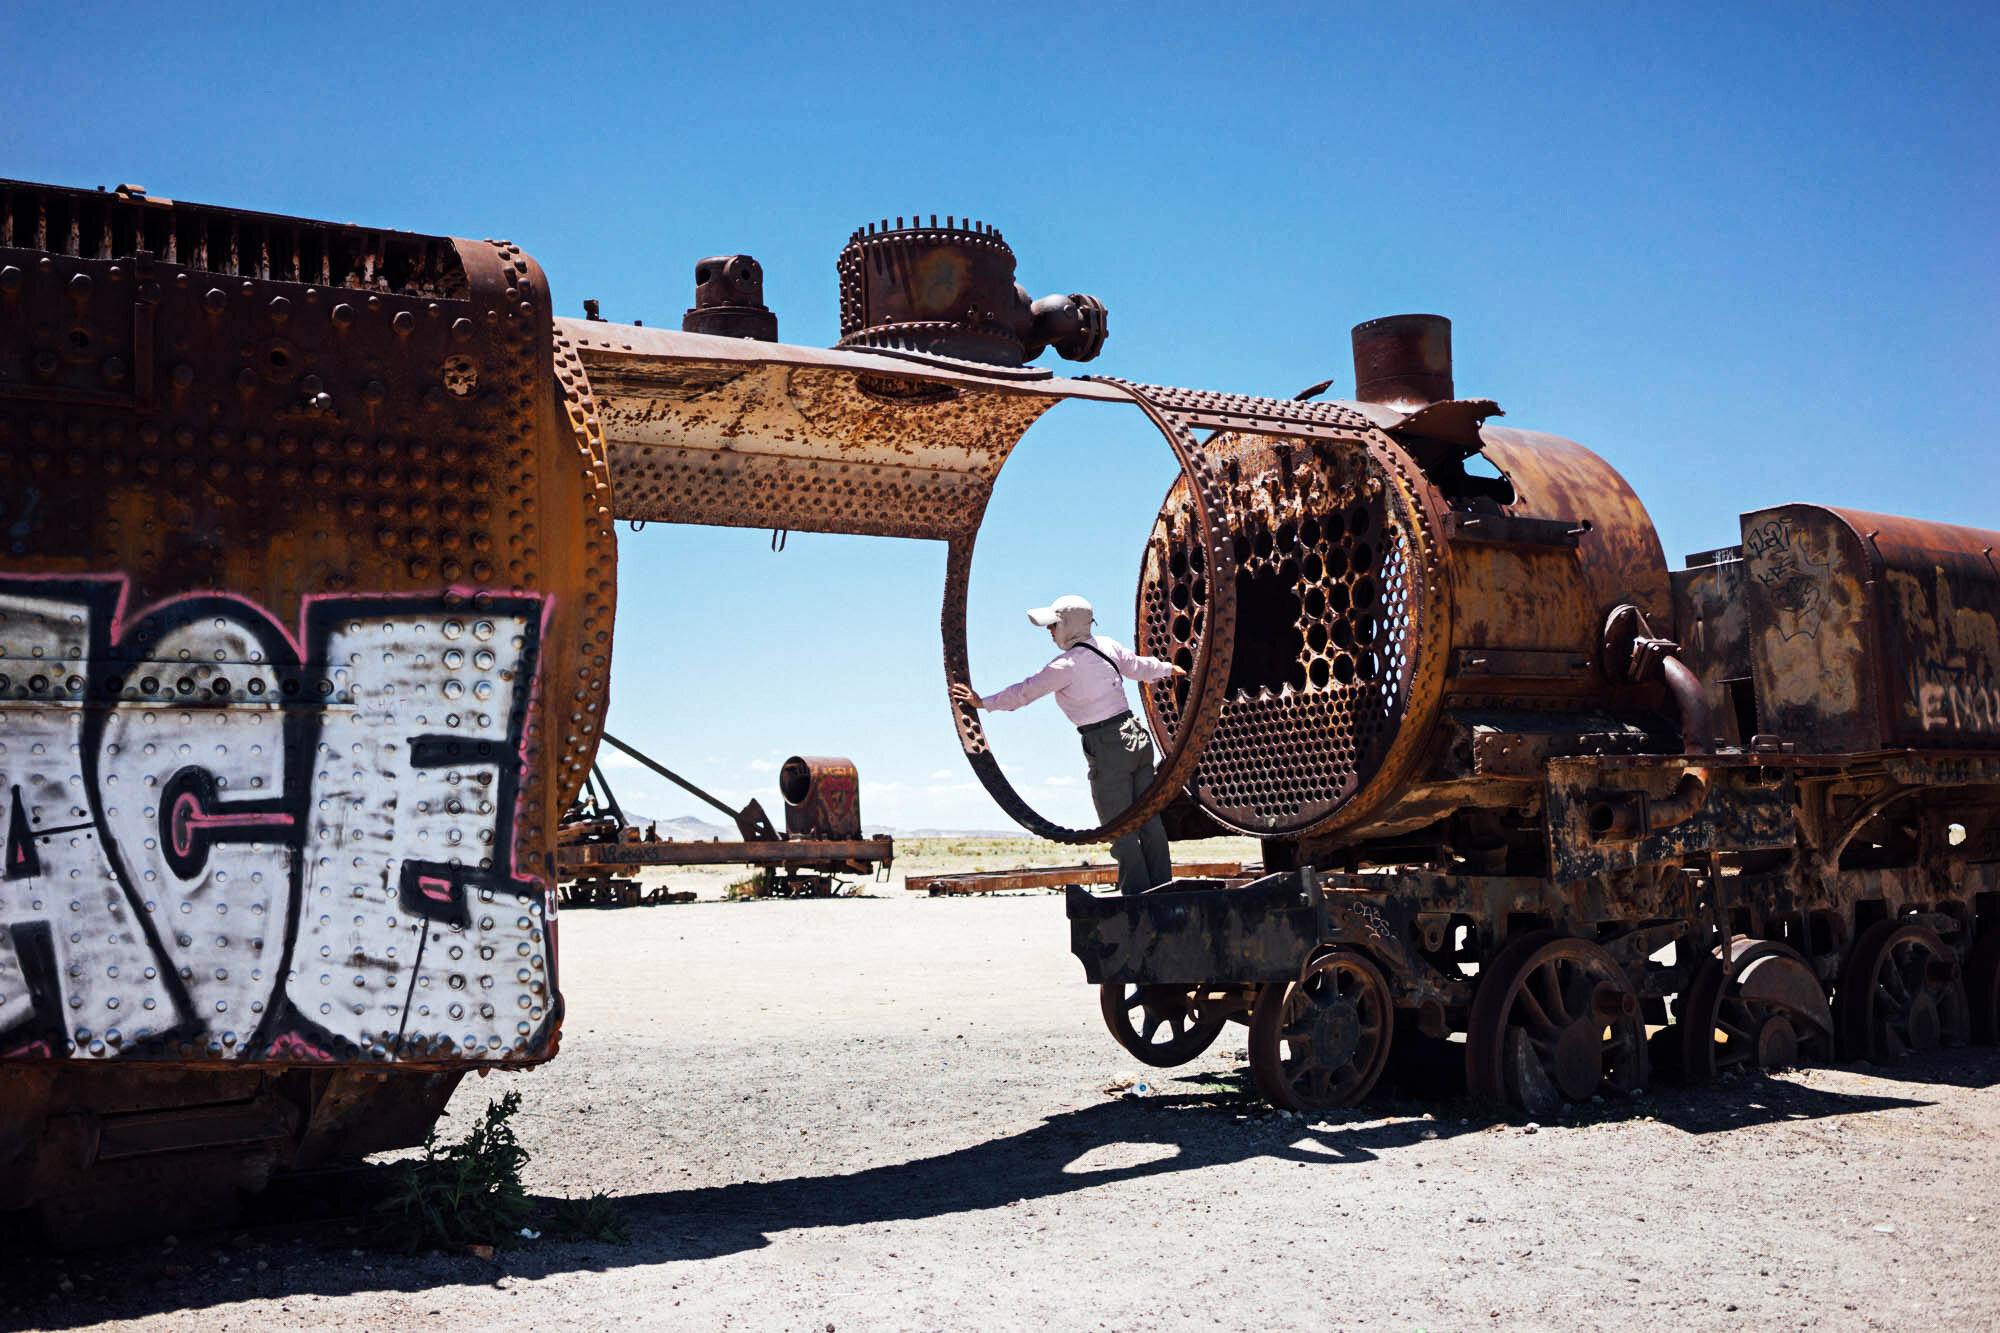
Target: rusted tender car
1534, 804
305, 618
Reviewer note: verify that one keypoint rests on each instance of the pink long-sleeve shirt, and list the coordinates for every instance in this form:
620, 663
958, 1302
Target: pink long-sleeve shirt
1084, 684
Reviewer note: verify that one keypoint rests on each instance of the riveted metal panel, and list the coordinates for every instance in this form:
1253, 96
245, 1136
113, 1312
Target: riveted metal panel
306, 577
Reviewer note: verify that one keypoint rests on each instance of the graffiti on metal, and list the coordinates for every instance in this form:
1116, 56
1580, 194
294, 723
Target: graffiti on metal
225, 841
1795, 577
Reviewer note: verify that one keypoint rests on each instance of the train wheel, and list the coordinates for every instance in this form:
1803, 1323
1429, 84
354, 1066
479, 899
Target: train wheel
1772, 1014
1557, 1022
1901, 991
1323, 1040
1164, 1025
1982, 982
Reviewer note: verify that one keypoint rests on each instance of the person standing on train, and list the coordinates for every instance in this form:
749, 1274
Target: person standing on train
1087, 678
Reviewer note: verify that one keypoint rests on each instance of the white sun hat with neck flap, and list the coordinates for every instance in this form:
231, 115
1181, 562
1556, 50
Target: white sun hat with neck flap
1070, 614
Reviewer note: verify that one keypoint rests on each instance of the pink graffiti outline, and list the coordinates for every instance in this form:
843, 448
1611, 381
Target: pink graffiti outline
187, 816
123, 617
292, 1044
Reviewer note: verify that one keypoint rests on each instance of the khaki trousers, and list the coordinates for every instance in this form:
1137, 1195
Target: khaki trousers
1121, 768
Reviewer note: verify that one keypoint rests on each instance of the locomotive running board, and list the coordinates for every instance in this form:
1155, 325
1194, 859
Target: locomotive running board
1190, 931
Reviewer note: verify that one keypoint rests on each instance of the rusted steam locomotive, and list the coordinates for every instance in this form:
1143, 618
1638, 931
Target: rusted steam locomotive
305, 616
1533, 793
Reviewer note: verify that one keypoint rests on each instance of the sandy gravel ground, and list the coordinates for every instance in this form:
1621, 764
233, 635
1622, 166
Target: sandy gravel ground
891, 1112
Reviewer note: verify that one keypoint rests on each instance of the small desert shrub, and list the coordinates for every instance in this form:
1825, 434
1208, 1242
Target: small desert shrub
593, 1218
464, 1193
754, 885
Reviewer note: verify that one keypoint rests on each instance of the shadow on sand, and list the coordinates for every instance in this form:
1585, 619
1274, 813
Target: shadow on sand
1203, 1123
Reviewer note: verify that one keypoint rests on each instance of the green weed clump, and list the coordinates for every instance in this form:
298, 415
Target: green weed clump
464, 1193
593, 1218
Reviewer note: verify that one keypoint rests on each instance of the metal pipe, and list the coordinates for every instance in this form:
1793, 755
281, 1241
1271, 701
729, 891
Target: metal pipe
1686, 802
603, 784
750, 820
1697, 728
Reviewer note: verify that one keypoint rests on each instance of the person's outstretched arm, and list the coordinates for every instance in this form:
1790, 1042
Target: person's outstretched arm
1139, 668
1046, 681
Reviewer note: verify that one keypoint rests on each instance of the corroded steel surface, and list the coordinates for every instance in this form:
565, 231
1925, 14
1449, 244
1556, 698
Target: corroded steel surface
1872, 631
1339, 643
742, 434
304, 631
822, 796
1605, 816
1263, 931
1528, 594
1379, 592
949, 291
1055, 877
787, 853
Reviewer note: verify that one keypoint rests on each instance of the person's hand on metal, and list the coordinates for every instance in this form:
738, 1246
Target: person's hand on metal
1180, 671
964, 694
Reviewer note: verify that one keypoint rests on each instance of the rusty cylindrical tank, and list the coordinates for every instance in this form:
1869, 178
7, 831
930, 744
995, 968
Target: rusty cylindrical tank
822, 797
1394, 607
950, 291
307, 608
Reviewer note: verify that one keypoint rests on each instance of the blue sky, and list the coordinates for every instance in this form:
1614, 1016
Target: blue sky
1746, 253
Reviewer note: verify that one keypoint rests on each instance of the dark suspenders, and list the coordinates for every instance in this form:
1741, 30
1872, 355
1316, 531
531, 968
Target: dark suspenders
1101, 656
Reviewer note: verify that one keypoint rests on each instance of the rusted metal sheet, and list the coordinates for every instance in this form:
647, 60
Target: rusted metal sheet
1872, 632
1712, 625
1611, 815
1618, 557
1263, 931
1939, 627
1814, 660
1054, 877
744, 434
304, 630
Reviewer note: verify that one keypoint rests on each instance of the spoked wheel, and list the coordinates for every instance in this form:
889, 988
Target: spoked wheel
1772, 1014
1556, 1022
1982, 983
1323, 1040
1166, 1025
1901, 991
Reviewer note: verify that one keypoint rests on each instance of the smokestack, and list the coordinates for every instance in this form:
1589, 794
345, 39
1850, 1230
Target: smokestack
1403, 361
729, 300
